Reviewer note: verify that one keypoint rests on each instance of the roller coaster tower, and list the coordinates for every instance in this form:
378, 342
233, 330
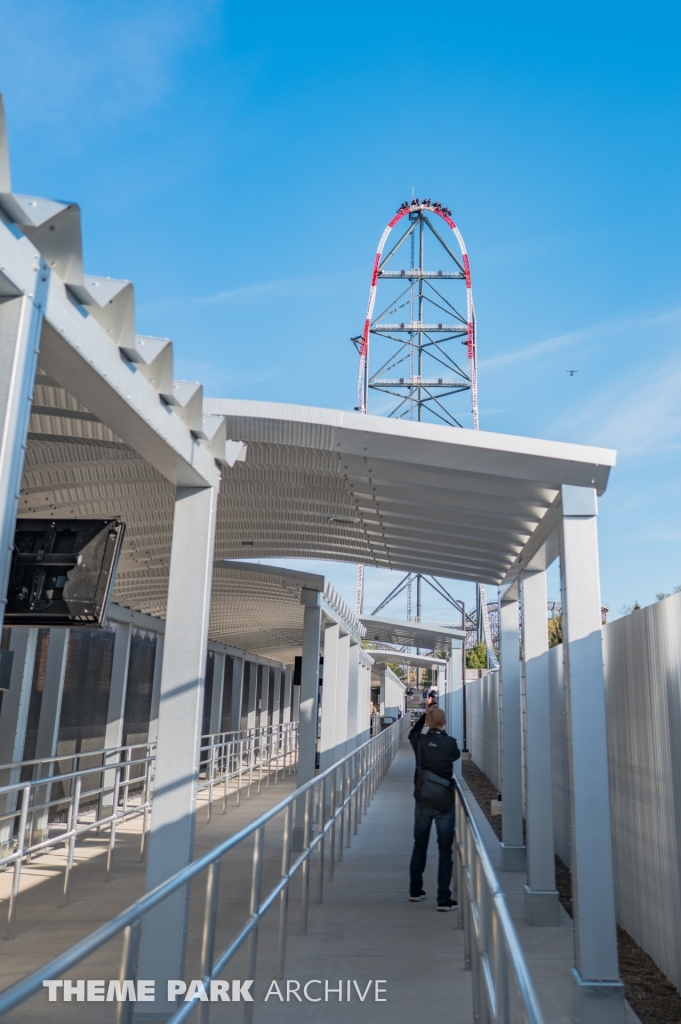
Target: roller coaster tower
408, 349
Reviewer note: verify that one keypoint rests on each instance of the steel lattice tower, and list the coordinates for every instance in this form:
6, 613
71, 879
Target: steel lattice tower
425, 314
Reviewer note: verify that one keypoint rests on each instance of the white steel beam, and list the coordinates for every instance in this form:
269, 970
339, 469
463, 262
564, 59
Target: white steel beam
327, 755
238, 676
541, 898
512, 845
78, 353
340, 731
353, 696
599, 994
288, 696
113, 736
156, 688
309, 695
13, 719
22, 304
276, 705
217, 693
171, 841
456, 695
48, 722
251, 694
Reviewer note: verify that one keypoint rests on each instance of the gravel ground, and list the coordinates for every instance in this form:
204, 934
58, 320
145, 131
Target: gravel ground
649, 992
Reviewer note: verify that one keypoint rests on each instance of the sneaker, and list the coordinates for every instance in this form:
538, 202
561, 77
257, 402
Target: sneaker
449, 905
420, 896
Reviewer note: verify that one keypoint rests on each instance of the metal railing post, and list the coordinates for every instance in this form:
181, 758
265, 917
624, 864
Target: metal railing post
255, 911
227, 770
305, 870
209, 926
332, 825
283, 898
501, 992
131, 945
320, 844
16, 878
114, 819
211, 777
72, 828
348, 804
146, 794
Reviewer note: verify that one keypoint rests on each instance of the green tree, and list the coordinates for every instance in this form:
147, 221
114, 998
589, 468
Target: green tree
556, 629
476, 657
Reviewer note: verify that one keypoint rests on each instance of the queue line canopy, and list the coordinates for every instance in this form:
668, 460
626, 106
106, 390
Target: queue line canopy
426, 635
394, 494
258, 608
400, 658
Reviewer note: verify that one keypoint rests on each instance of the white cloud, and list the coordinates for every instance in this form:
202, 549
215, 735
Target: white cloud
593, 334
286, 288
292, 287
636, 414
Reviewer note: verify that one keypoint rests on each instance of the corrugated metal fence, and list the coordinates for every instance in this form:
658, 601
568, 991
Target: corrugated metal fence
482, 716
642, 655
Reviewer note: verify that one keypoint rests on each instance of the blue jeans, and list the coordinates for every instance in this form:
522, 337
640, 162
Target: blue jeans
444, 825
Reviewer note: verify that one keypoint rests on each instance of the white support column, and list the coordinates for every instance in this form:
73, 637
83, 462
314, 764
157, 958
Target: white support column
340, 732
363, 698
288, 696
13, 719
263, 671
541, 898
455, 717
309, 695
21, 318
295, 704
309, 685
512, 846
113, 736
599, 994
156, 690
382, 671
353, 697
327, 749
217, 693
50, 713
251, 694
276, 704
238, 681
171, 843
53, 691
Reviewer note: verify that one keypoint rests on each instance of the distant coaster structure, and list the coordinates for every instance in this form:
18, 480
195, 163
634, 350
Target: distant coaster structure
423, 314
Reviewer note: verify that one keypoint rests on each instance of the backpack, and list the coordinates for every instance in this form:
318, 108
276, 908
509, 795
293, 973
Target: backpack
432, 789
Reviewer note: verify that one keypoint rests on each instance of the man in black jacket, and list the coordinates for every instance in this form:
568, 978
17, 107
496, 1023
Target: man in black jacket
435, 752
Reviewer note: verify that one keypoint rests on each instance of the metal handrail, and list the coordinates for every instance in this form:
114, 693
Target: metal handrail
218, 737
14, 766
350, 784
492, 950
111, 798
238, 755
115, 783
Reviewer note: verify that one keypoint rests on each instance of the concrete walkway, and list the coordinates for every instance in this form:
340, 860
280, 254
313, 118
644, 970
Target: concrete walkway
366, 938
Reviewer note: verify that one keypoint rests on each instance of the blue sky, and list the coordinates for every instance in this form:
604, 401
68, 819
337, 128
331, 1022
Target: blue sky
239, 163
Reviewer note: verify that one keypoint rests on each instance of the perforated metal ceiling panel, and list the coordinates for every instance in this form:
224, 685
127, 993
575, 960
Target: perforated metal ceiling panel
320, 483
